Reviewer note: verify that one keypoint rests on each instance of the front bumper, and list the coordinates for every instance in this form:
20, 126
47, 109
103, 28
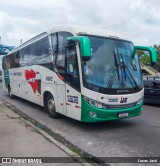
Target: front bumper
104, 115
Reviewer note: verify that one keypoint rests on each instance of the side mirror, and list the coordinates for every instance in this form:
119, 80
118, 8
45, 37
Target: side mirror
85, 45
152, 52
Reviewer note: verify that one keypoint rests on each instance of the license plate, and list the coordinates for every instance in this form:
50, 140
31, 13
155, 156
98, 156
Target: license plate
124, 114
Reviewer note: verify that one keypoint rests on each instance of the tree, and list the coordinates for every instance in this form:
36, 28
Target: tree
145, 59
157, 48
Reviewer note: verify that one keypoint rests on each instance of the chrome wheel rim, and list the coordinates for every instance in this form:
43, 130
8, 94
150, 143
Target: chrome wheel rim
51, 105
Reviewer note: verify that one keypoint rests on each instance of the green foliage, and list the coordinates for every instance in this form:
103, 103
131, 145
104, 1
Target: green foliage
145, 59
157, 66
139, 52
157, 48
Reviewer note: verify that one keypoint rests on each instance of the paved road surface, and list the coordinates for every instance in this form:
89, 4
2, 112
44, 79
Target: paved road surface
137, 136
18, 139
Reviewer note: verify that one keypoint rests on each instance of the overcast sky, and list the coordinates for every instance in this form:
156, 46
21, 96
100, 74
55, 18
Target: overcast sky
138, 20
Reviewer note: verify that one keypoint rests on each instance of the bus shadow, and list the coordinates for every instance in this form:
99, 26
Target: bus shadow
23, 102
33, 105
96, 126
101, 126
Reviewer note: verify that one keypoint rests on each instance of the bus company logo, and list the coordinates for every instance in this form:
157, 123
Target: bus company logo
34, 80
123, 100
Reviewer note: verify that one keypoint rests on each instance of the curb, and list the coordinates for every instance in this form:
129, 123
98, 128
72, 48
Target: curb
78, 154
60, 145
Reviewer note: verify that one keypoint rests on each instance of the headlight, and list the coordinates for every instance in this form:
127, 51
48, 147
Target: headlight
95, 103
139, 101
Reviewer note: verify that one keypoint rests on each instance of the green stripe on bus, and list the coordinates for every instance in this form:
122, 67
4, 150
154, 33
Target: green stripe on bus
104, 114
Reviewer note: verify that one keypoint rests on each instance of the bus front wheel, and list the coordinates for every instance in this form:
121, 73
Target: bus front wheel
50, 107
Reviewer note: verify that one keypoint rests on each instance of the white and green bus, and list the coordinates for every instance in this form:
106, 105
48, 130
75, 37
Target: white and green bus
87, 74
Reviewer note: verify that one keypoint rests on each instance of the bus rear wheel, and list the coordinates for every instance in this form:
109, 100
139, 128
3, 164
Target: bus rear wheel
10, 92
50, 106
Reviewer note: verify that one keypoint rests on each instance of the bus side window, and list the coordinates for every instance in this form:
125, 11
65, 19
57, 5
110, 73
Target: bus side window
54, 44
24, 57
32, 54
72, 70
43, 54
16, 59
7, 63
60, 55
4, 63
11, 61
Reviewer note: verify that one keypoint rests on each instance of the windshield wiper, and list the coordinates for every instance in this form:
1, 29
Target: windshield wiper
116, 68
117, 64
126, 67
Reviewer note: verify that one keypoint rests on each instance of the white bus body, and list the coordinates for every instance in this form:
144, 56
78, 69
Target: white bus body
36, 71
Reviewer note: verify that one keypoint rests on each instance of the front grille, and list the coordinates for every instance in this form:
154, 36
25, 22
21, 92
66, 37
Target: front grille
116, 107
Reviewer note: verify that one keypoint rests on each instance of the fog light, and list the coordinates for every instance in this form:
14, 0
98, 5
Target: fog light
93, 114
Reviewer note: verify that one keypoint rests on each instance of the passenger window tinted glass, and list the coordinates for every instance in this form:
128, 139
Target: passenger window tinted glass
24, 57
11, 60
6, 63
16, 60
32, 54
43, 54
60, 57
54, 44
72, 71
156, 85
147, 84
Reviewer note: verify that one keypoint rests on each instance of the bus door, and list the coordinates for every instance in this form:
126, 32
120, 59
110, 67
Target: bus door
73, 95
60, 88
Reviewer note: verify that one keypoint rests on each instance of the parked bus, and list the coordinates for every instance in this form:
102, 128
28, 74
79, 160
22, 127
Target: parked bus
87, 74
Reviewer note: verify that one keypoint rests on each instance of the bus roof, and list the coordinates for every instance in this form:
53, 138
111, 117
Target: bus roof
75, 30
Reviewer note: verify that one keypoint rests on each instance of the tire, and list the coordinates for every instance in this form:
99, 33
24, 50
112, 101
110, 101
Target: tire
49, 106
10, 93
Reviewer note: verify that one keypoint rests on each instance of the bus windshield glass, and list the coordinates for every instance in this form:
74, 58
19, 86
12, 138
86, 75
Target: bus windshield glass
111, 65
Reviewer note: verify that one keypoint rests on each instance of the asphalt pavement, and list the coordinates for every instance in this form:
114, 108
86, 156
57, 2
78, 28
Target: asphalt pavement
134, 137
20, 139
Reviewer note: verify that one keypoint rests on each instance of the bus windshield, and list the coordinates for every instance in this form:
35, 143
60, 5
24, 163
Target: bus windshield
111, 65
